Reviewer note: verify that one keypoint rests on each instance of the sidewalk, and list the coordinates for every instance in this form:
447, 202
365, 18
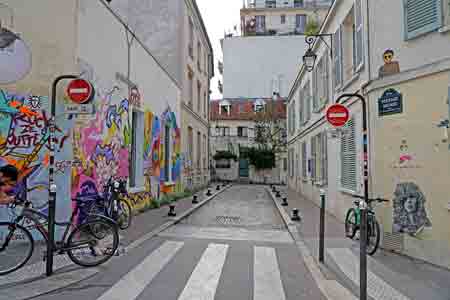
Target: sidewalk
144, 226
390, 275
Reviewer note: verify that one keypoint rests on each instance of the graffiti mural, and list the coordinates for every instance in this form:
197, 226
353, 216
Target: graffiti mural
390, 66
24, 143
409, 214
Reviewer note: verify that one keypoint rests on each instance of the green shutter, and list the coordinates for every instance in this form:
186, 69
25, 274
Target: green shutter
421, 16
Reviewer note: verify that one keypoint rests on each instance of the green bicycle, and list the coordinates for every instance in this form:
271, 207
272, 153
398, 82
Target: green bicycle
353, 222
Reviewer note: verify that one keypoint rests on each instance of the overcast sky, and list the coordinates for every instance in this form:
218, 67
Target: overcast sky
219, 16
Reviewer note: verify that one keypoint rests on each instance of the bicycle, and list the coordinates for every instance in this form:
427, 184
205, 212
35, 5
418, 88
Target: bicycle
353, 222
88, 245
110, 204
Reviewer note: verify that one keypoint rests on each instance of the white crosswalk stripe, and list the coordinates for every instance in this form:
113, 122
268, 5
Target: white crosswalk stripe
204, 280
135, 281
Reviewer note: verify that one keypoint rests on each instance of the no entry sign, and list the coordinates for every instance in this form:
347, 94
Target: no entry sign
79, 91
337, 115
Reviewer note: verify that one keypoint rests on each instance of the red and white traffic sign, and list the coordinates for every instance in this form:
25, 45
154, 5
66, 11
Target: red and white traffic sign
79, 91
337, 115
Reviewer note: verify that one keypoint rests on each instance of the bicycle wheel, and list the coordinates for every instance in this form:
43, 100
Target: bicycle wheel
351, 223
88, 249
373, 236
125, 215
16, 247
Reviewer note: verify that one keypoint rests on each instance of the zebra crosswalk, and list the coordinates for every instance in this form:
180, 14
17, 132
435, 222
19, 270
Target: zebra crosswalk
204, 278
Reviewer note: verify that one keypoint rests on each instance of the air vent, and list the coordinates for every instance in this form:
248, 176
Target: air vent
393, 241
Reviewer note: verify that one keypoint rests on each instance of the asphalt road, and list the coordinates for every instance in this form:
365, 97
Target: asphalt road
233, 248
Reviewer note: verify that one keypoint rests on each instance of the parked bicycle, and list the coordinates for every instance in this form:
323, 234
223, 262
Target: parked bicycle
353, 222
89, 244
111, 203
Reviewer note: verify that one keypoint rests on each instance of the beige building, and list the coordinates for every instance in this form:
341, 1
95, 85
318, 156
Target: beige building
286, 17
197, 68
404, 77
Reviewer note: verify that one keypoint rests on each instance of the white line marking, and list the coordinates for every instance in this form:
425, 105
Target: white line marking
267, 277
203, 282
78, 91
135, 281
377, 288
337, 115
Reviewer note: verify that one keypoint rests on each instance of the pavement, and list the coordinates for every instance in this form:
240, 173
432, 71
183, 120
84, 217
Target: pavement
390, 275
30, 280
222, 251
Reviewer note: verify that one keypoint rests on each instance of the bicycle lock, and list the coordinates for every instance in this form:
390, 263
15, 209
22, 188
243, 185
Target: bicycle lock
51, 178
362, 204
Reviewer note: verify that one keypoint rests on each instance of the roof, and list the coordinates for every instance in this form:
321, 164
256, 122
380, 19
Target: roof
243, 109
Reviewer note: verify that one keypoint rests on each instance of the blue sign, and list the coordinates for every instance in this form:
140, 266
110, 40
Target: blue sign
390, 102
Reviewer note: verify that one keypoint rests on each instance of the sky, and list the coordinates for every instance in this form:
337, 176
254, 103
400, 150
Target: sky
219, 16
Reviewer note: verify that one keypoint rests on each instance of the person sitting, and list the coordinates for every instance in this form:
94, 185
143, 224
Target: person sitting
8, 179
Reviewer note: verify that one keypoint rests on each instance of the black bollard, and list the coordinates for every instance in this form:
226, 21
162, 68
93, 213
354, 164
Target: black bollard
274, 189
295, 216
278, 195
172, 212
285, 203
218, 188
194, 199
208, 193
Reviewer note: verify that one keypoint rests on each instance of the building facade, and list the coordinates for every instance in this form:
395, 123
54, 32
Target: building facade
131, 127
282, 17
404, 77
234, 129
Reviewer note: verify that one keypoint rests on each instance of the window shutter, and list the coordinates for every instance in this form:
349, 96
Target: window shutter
421, 16
326, 82
359, 33
315, 96
348, 158
308, 100
304, 160
324, 152
313, 158
338, 57
300, 105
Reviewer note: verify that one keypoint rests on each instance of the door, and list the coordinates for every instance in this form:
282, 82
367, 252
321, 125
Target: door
243, 168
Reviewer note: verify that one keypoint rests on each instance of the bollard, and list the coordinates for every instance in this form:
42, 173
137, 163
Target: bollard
172, 212
218, 188
224, 184
295, 216
208, 193
322, 227
274, 189
194, 199
285, 203
362, 251
278, 194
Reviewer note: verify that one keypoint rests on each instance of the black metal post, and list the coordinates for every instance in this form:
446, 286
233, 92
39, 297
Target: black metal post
51, 179
363, 205
322, 227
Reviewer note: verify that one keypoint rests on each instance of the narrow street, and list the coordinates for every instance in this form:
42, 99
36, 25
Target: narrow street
234, 247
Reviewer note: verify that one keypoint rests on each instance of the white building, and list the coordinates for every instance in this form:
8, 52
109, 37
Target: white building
408, 155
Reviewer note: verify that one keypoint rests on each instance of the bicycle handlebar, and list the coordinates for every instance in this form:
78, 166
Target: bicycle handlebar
378, 199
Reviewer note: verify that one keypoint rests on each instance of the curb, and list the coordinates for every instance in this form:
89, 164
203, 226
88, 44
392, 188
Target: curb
174, 220
331, 289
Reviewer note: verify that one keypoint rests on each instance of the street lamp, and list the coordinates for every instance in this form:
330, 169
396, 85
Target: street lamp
310, 57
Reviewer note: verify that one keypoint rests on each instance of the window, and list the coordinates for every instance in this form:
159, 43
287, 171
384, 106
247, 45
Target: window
205, 108
324, 157
191, 89
223, 131
291, 162
348, 158
199, 150
260, 24
271, 3
190, 144
300, 23
167, 153
337, 58
306, 102
199, 56
259, 106
224, 109
304, 162
285, 164
298, 3
421, 17
319, 157
320, 84
137, 150
191, 39
242, 131
199, 97
283, 19
358, 36
205, 151
313, 158
223, 164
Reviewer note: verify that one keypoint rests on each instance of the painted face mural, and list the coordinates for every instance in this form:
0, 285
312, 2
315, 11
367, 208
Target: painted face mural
390, 66
410, 214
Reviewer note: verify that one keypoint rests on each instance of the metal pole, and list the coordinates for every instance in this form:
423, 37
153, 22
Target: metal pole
51, 179
322, 227
363, 204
